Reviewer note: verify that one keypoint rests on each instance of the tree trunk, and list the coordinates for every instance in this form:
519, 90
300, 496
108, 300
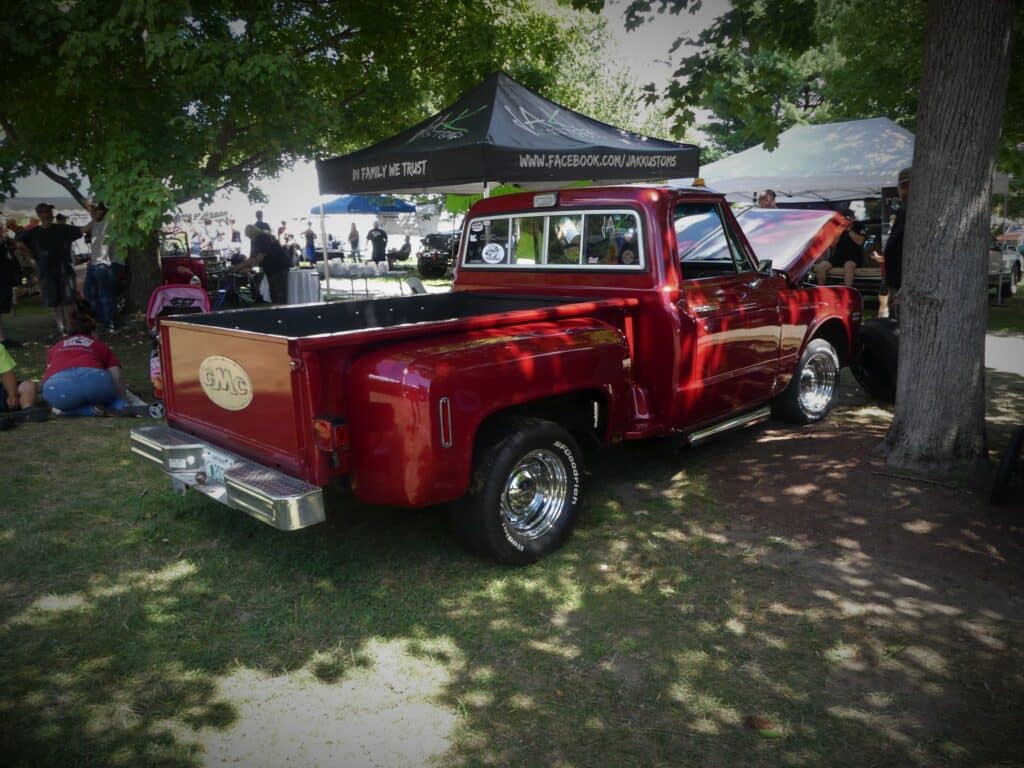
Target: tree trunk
940, 396
144, 269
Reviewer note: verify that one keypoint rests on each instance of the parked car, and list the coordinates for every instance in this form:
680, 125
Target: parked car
437, 255
1005, 267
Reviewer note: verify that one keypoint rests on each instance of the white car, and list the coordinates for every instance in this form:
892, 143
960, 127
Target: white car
1005, 267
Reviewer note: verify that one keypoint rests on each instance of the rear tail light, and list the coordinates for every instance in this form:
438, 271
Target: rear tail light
330, 433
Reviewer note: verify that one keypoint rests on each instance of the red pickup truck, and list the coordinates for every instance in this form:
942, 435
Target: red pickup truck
583, 316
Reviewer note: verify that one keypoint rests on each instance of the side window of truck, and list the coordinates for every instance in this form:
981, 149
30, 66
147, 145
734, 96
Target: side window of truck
706, 248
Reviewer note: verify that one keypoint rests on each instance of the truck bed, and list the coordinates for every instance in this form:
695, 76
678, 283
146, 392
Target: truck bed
252, 381
341, 317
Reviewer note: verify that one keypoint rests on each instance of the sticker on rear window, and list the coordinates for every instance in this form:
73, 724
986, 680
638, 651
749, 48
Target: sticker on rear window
493, 253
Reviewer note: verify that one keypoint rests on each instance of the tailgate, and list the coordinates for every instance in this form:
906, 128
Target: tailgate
236, 389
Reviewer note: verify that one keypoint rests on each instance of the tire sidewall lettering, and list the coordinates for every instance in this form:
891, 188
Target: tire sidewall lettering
573, 465
570, 460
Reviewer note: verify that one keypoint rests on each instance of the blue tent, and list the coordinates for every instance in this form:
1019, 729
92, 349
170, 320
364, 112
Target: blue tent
365, 204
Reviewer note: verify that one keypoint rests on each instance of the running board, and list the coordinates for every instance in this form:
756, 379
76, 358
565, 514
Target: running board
743, 420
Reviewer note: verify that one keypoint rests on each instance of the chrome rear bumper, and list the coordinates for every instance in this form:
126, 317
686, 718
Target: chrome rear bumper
273, 497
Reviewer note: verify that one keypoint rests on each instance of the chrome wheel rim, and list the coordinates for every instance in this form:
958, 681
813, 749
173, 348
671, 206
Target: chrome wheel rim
818, 383
535, 494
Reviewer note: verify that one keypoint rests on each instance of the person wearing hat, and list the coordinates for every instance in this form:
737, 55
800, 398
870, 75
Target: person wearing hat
892, 256
99, 276
270, 256
50, 246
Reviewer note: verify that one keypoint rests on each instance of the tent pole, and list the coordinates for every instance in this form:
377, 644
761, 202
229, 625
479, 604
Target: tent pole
327, 265
487, 190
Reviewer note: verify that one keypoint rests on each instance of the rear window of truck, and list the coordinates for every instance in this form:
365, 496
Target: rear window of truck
590, 240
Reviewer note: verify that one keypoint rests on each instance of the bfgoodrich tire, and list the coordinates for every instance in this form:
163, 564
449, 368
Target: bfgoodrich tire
524, 495
811, 393
876, 359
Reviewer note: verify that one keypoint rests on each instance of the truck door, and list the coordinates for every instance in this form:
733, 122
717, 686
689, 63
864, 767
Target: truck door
729, 319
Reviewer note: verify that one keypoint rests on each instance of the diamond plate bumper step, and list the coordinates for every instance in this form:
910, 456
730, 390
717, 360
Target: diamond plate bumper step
270, 496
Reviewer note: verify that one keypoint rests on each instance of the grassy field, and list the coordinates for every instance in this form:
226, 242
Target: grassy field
1007, 317
141, 628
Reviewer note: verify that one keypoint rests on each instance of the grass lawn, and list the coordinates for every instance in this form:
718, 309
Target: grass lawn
1007, 317
141, 628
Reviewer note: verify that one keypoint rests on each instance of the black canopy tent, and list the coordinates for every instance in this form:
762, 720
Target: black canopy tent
502, 132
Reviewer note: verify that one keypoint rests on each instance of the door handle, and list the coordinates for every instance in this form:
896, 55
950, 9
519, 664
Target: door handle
705, 309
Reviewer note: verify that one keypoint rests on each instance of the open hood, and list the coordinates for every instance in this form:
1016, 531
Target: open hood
793, 240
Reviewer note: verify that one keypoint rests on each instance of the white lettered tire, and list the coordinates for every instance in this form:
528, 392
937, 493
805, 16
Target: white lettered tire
525, 493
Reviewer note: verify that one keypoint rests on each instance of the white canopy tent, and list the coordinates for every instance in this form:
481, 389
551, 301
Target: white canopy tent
832, 161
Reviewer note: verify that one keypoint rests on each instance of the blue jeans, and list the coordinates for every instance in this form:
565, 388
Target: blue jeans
76, 390
99, 292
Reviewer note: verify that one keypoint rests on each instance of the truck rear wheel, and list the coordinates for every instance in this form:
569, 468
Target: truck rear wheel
524, 495
812, 391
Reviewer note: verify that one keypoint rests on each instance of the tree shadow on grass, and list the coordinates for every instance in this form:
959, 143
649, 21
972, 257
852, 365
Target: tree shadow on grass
775, 598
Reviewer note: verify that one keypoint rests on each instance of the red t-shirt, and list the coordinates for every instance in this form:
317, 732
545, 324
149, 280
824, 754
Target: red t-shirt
79, 351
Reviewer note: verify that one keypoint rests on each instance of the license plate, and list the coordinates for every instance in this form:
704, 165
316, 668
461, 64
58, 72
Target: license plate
217, 464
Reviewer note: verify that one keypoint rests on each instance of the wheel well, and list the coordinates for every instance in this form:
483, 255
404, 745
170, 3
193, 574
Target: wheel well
584, 414
834, 332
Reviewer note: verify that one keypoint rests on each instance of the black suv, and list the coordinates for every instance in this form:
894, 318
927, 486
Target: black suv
438, 253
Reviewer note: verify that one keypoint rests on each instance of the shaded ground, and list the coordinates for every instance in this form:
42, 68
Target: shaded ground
921, 582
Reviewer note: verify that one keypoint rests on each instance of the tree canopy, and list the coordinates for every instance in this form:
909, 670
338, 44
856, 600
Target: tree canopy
765, 65
163, 101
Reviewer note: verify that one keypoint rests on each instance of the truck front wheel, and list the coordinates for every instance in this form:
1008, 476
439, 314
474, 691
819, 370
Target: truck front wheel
812, 391
525, 493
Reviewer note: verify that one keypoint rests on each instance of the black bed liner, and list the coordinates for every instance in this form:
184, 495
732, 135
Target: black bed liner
314, 319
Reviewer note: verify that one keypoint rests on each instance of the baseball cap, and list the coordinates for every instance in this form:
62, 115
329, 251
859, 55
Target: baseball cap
42, 207
904, 176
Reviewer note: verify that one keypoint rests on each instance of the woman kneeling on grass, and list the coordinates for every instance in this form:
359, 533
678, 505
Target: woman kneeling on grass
83, 376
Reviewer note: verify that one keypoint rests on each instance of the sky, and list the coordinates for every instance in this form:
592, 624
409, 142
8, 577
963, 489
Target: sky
642, 52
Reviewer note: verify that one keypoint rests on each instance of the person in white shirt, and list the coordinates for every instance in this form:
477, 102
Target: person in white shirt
99, 276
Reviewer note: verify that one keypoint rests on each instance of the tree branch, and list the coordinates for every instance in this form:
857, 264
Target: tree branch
64, 181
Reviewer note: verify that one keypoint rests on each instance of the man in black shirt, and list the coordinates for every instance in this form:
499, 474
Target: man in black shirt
847, 252
892, 257
260, 223
50, 246
379, 241
270, 256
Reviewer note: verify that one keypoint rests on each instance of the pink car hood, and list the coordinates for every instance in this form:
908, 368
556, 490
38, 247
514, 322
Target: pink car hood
793, 240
